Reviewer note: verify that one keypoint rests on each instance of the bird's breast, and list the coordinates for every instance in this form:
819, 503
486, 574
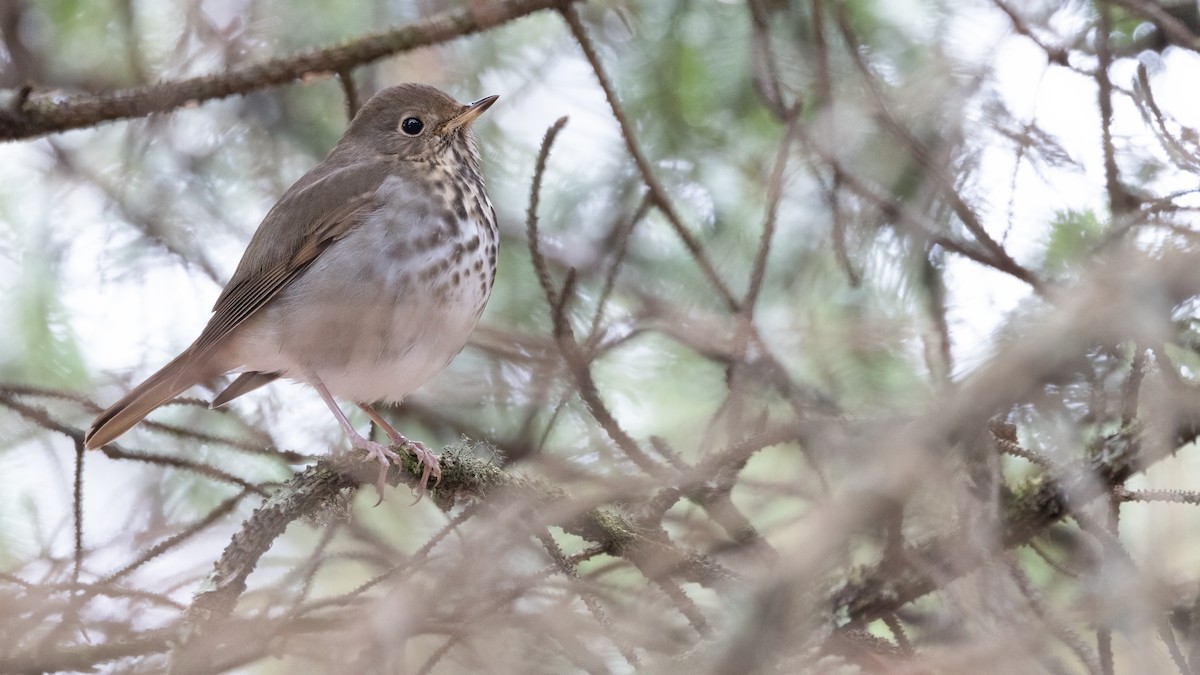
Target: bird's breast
387, 306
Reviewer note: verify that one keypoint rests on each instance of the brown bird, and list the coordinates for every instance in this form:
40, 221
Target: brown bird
364, 280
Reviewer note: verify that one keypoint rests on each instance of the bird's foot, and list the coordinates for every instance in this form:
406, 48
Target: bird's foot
377, 452
426, 459
430, 467
428, 462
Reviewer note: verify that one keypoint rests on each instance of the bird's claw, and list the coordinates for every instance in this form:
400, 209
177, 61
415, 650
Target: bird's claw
430, 467
385, 456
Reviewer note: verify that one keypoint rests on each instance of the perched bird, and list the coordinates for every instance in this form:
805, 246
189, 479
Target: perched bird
363, 281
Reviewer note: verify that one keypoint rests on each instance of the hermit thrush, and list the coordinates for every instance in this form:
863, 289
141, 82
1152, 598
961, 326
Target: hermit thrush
363, 281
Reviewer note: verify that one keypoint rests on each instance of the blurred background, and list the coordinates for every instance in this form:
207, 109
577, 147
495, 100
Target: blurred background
875, 345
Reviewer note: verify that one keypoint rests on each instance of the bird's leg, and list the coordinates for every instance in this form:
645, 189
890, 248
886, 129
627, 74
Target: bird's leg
427, 459
376, 451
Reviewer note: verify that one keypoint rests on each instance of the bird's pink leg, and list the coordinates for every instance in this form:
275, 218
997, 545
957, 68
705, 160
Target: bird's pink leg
376, 451
427, 459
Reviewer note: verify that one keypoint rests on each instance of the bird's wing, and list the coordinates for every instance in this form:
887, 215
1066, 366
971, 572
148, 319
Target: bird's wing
319, 209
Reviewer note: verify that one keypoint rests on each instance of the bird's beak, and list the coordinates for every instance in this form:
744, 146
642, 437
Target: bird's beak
468, 114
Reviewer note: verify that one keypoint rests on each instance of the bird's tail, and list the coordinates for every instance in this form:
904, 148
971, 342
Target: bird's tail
166, 384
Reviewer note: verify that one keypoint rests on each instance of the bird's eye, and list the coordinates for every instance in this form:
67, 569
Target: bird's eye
412, 126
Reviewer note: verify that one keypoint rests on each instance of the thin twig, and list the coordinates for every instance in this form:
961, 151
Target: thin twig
531, 214
1116, 193
999, 257
350, 92
658, 193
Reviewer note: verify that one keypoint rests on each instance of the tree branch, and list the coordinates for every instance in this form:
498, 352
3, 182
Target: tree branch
40, 114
